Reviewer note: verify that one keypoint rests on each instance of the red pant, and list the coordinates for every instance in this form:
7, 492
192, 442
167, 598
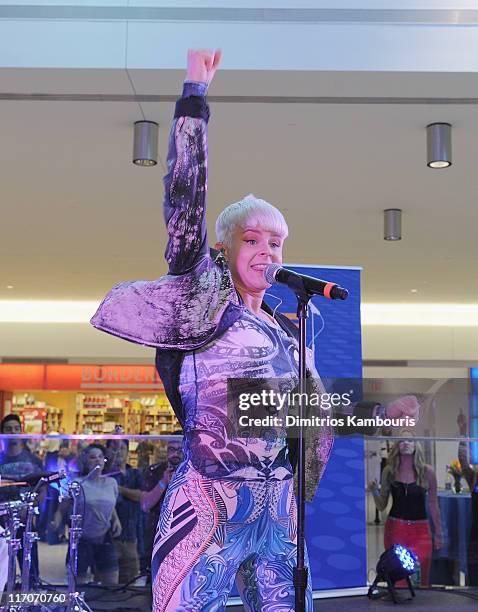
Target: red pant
416, 536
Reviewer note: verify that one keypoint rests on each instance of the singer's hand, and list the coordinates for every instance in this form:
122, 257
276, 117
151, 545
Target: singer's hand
402, 407
202, 65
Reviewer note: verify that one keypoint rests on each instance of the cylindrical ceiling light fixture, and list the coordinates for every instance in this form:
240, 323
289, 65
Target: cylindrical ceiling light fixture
392, 224
145, 146
439, 145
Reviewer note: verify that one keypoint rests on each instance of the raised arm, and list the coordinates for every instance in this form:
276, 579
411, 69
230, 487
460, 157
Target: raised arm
185, 184
154, 494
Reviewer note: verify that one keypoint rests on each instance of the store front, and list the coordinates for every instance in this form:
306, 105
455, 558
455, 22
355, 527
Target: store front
86, 399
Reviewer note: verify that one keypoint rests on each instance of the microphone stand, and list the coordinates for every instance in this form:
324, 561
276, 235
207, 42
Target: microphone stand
304, 287
300, 571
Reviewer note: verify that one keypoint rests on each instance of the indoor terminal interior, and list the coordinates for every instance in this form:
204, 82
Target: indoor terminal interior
357, 120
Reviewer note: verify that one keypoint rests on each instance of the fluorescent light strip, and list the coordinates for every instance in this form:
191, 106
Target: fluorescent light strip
426, 315
46, 311
423, 315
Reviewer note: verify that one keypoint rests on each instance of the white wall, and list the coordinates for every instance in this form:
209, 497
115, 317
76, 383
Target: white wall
75, 341
420, 343
80, 340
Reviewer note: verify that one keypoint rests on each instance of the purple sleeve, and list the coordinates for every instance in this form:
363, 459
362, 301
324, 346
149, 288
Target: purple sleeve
185, 183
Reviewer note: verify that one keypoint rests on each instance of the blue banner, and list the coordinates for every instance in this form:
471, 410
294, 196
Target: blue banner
474, 414
336, 527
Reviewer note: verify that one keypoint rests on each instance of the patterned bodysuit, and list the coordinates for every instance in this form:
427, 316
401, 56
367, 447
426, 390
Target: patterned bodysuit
229, 512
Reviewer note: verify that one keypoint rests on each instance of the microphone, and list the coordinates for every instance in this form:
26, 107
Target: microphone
274, 273
91, 472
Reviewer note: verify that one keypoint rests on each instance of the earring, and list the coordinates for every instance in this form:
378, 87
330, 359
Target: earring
223, 253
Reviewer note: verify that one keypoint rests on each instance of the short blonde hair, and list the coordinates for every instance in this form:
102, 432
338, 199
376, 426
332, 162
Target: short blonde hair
253, 212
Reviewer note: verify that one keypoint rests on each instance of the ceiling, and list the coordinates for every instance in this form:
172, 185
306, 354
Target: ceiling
77, 216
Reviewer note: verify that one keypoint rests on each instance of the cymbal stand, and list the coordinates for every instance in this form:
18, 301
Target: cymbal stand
29, 536
76, 601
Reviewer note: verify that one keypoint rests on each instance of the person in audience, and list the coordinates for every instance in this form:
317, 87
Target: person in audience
16, 463
144, 451
16, 460
96, 549
409, 480
57, 459
471, 477
127, 507
155, 484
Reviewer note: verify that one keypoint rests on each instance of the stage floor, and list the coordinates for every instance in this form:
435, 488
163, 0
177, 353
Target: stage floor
425, 601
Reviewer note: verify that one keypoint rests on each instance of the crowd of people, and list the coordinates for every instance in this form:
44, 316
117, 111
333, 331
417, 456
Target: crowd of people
120, 504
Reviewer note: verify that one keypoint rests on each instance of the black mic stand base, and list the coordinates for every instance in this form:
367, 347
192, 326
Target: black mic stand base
300, 585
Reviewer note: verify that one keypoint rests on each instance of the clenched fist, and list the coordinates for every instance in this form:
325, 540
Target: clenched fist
404, 406
202, 65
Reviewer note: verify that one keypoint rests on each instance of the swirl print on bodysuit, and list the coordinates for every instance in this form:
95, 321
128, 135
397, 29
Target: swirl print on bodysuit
213, 533
229, 512
250, 349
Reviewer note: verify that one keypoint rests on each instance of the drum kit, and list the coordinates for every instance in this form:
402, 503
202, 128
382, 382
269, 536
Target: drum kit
19, 515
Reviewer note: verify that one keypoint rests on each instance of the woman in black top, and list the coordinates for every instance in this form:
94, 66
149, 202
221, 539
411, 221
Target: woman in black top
408, 479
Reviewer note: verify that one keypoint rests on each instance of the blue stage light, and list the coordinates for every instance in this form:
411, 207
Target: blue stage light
396, 563
407, 558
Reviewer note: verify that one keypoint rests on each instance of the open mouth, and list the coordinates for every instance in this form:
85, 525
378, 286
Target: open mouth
259, 267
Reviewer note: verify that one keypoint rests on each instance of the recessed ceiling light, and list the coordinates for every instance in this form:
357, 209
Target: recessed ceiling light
9, 286
392, 224
414, 290
439, 145
145, 146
